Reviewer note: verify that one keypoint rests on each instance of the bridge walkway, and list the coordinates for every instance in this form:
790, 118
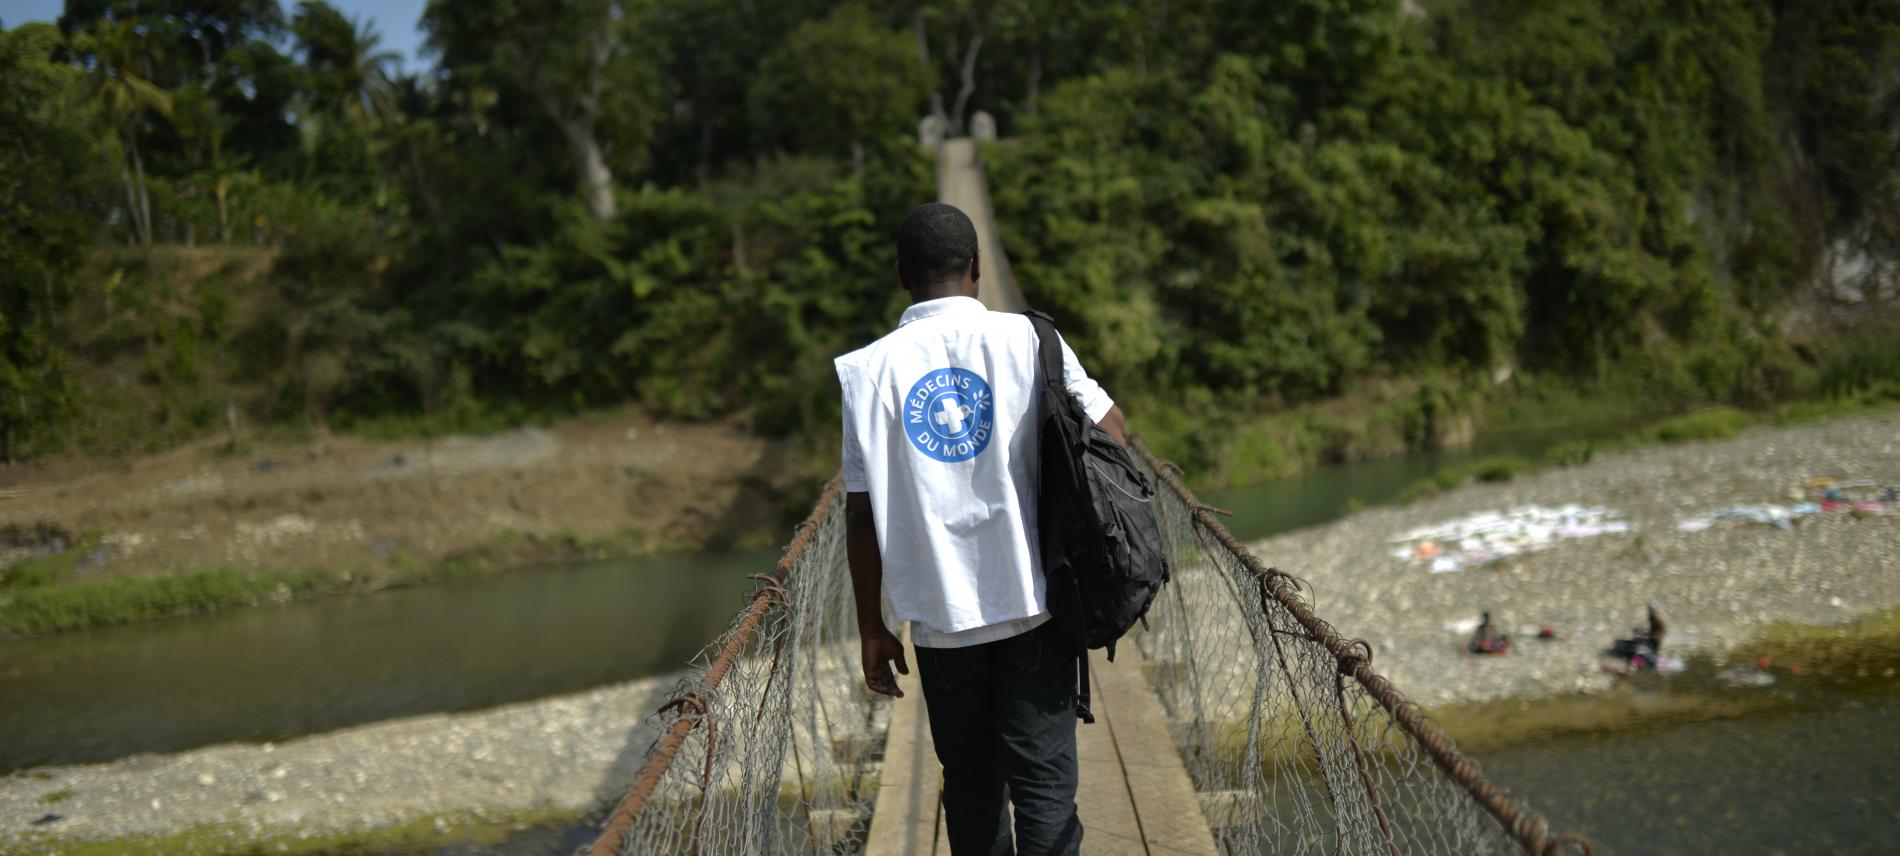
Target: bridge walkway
1135, 797
961, 181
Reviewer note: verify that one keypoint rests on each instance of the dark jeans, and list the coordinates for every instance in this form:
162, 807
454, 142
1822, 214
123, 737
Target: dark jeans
1003, 717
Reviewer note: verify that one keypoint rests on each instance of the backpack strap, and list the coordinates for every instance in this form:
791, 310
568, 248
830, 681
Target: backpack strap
1049, 352
1082, 711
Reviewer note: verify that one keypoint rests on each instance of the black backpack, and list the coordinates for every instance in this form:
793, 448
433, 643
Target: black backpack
1101, 546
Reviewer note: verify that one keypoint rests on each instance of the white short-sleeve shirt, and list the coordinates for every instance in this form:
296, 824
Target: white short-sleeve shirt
940, 421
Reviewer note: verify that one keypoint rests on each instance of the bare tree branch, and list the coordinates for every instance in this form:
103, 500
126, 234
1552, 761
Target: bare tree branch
968, 87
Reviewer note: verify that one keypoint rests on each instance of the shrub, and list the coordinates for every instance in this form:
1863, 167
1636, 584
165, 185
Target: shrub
128, 599
1497, 469
1718, 423
1867, 363
1570, 454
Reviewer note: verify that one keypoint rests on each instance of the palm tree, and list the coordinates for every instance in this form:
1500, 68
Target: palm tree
409, 134
122, 94
353, 77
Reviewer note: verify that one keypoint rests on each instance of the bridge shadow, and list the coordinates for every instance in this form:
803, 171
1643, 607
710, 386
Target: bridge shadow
636, 744
627, 763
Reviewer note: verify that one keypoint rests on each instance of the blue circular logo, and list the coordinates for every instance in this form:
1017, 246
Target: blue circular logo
950, 415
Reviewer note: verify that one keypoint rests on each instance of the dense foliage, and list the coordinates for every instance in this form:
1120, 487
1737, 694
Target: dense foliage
1232, 206
49, 166
1557, 186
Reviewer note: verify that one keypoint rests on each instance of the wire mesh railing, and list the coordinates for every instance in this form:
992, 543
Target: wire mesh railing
1295, 744
770, 744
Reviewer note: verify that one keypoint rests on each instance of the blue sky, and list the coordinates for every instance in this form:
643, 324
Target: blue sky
394, 19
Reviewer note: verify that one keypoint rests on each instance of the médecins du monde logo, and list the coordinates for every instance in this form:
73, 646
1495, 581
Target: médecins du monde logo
950, 415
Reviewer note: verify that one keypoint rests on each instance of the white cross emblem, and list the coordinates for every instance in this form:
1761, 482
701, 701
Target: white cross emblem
952, 416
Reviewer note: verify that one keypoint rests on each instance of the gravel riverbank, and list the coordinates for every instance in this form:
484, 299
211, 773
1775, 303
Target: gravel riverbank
1718, 587
566, 754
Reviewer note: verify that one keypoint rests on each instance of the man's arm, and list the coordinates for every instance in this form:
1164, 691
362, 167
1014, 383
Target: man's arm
1115, 424
1090, 395
867, 578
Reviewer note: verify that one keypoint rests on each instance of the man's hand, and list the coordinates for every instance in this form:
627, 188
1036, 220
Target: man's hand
867, 575
880, 648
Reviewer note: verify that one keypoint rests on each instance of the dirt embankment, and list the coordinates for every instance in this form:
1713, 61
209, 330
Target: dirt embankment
613, 482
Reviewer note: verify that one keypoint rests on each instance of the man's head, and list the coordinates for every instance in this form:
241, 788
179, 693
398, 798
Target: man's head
936, 252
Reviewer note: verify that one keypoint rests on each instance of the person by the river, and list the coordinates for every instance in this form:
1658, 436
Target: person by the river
1642, 652
1487, 640
1645, 642
940, 459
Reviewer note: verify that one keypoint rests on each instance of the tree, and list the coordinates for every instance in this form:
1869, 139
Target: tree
193, 35
122, 93
956, 19
257, 93
350, 77
556, 53
836, 81
49, 165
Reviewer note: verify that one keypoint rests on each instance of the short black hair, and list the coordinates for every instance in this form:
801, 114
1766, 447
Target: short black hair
935, 243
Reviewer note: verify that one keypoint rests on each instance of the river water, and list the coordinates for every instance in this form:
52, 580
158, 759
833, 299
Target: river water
1809, 767
1813, 773
272, 672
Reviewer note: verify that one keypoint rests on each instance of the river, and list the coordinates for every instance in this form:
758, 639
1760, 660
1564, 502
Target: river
273, 672
1810, 773
1810, 767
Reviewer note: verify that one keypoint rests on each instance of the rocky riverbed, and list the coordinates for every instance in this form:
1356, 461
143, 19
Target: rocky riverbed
569, 754
1717, 587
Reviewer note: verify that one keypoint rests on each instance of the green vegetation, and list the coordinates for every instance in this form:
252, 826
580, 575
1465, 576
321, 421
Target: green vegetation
1866, 367
45, 595
1865, 651
51, 608
40, 571
1584, 193
1283, 234
1491, 470
422, 834
1717, 424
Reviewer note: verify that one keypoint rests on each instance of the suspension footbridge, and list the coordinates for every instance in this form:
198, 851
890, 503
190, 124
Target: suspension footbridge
1240, 722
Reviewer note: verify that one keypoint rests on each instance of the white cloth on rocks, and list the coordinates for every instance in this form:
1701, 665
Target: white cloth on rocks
1491, 535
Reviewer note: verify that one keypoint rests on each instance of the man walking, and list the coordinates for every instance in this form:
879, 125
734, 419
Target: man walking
940, 468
